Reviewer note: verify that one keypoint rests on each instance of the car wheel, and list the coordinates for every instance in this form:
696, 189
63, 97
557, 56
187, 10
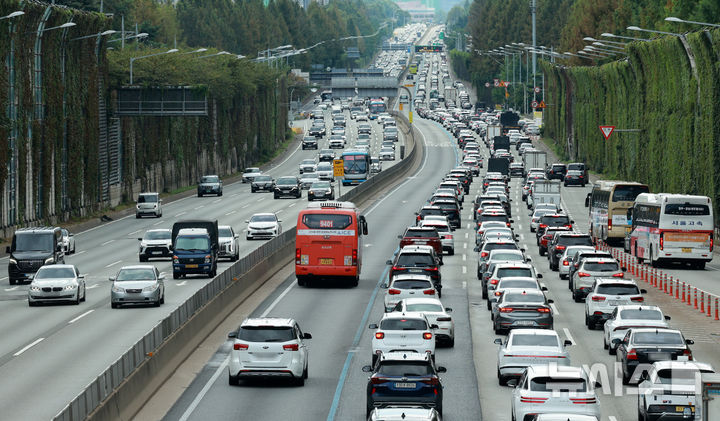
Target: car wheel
354, 282
157, 303
176, 276
200, 194
162, 299
275, 196
143, 259
451, 343
13, 282
542, 251
137, 216
575, 296
252, 190
451, 252
236, 257
374, 360
605, 344
114, 305
233, 380
563, 276
220, 194
76, 301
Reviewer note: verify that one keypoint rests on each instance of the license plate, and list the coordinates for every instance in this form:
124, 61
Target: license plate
157, 252
659, 356
405, 385
686, 250
524, 323
420, 242
192, 266
685, 410
614, 302
326, 261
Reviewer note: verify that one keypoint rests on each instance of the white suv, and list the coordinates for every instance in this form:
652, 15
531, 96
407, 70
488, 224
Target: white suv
582, 280
268, 347
148, 204
407, 285
403, 332
605, 295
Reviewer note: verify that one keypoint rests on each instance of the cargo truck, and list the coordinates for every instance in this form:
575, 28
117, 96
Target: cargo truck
501, 165
544, 191
451, 94
535, 159
501, 142
195, 248
492, 131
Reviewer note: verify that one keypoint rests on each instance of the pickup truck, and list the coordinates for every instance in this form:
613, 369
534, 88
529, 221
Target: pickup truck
668, 391
195, 248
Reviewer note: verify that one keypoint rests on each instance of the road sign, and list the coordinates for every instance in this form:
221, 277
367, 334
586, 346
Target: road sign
496, 82
607, 131
534, 104
410, 117
338, 168
487, 84
537, 89
541, 104
409, 85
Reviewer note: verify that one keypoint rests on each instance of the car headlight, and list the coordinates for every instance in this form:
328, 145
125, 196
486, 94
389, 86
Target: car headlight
207, 259
34, 288
117, 289
50, 260
13, 261
150, 288
71, 286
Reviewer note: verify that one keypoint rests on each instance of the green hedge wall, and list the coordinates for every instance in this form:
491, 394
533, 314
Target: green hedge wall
655, 90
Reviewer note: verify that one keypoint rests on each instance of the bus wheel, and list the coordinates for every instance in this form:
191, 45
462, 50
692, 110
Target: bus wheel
354, 282
301, 281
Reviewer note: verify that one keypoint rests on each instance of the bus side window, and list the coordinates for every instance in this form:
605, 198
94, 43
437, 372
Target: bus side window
363, 225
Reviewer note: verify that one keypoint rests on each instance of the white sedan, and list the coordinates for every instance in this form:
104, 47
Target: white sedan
387, 154
263, 225
525, 347
53, 283
433, 309
625, 317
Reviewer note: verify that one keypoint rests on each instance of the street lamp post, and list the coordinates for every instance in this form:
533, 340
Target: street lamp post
13, 15
678, 20
609, 35
132, 60
635, 28
12, 117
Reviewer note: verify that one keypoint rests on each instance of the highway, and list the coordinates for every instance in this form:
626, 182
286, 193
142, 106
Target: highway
52, 352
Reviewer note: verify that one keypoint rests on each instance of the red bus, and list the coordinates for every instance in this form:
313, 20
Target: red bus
328, 242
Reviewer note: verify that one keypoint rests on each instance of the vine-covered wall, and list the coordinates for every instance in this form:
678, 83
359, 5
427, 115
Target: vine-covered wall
672, 100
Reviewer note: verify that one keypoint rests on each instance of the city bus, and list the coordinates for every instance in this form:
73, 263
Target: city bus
377, 106
672, 228
607, 207
356, 164
328, 243
413, 68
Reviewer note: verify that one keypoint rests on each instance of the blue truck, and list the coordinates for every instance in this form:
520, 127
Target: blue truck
195, 248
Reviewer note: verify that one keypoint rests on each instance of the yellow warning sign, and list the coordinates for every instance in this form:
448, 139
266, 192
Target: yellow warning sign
338, 168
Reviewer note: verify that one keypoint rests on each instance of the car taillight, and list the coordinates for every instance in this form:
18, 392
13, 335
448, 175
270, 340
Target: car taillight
395, 268
618, 275
444, 319
429, 292
566, 263
379, 335
432, 381
543, 310
507, 223
494, 281
688, 354
583, 274
711, 244
559, 247
632, 355
378, 380
543, 226
662, 241
609, 224
354, 257
297, 256
240, 347
447, 236
598, 298
291, 347
506, 309
432, 269
568, 226
393, 291
484, 254
427, 335
638, 299
532, 399
583, 401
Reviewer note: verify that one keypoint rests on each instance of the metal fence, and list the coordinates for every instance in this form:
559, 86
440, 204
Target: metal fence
99, 390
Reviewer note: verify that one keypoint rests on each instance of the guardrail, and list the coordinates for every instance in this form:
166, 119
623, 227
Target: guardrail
145, 366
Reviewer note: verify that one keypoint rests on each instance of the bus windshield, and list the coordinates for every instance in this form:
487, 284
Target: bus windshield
628, 193
355, 164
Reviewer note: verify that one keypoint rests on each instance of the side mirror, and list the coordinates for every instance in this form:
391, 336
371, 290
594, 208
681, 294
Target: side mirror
543, 288
476, 249
498, 341
7, 249
71, 234
307, 336
599, 385
522, 249
388, 262
512, 221
643, 291
572, 221
232, 335
668, 318
539, 276
434, 326
81, 276
528, 259
400, 237
551, 301
587, 200
448, 309
367, 369
373, 326
111, 279
31, 276
139, 238
236, 236
616, 341
279, 220
385, 285
161, 277
512, 382
567, 342
689, 342
247, 221
441, 369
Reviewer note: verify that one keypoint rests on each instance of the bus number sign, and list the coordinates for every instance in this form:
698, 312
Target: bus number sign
338, 168
326, 224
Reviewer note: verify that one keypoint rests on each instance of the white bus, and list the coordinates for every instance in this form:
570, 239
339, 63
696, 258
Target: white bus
608, 204
672, 228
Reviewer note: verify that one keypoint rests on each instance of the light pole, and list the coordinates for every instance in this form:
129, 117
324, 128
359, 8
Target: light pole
13, 15
608, 46
635, 28
12, 117
605, 41
99, 34
132, 60
609, 35
678, 20
221, 53
123, 39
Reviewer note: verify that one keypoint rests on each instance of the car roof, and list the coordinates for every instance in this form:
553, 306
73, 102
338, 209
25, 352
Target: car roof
539, 332
263, 214
158, 230
138, 267
523, 291
405, 356
653, 330
615, 281
600, 260
507, 264
404, 315
519, 278
416, 249
58, 265
267, 321
637, 307
550, 370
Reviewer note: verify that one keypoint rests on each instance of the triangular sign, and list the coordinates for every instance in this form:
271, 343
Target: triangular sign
607, 131
541, 105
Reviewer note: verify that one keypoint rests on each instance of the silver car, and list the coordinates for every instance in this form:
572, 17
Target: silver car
139, 284
52, 283
148, 204
525, 347
228, 241
68, 242
583, 279
567, 256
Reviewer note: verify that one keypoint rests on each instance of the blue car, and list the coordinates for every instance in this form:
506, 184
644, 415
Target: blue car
404, 378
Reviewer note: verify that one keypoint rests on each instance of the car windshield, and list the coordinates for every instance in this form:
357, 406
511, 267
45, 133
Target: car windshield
192, 243
266, 334
157, 235
404, 369
508, 272
320, 185
308, 162
517, 283
415, 260
658, 337
550, 384
210, 179
534, 340
500, 246
33, 242
572, 240
437, 308
618, 289
641, 315
147, 198
523, 298
286, 181
140, 274
263, 218
263, 178
403, 324
224, 232
252, 170
485, 218
411, 284
426, 212
601, 266
555, 221
687, 209
50, 272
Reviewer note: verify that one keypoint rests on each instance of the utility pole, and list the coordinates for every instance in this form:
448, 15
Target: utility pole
533, 9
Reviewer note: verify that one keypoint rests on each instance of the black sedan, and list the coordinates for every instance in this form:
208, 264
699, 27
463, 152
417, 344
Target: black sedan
287, 186
643, 346
575, 178
262, 183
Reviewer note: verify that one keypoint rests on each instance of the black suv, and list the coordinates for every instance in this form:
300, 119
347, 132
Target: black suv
326, 155
209, 184
416, 259
309, 142
451, 210
557, 172
32, 248
287, 186
552, 220
561, 241
404, 377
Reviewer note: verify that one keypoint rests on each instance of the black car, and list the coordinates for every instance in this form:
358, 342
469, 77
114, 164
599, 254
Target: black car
287, 186
416, 259
643, 346
32, 248
317, 131
574, 178
404, 377
309, 142
451, 210
552, 220
209, 184
557, 172
321, 189
517, 169
561, 241
326, 155
262, 182
579, 166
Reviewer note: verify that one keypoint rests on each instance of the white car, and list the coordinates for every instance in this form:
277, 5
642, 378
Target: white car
446, 235
405, 412
307, 166
155, 243
53, 283
68, 241
324, 171
268, 347
550, 389
525, 347
148, 204
673, 383
228, 243
625, 317
250, 173
263, 225
406, 285
387, 154
567, 256
608, 293
494, 234
436, 314
564, 416
410, 332
336, 142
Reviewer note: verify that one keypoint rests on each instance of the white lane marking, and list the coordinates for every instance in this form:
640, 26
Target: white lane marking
3, 278
611, 418
182, 283
113, 263
520, 226
464, 271
244, 206
157, 223
464, 257
12, 289
230, 213
224, 364
37, 341
286, 159
180, 214
464, 246
217, 200
133, 233
261, 199
467, 235
80, 316
92, 286
107, 242
198, 207
291, 205
568, 335
278, 211
556, 312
